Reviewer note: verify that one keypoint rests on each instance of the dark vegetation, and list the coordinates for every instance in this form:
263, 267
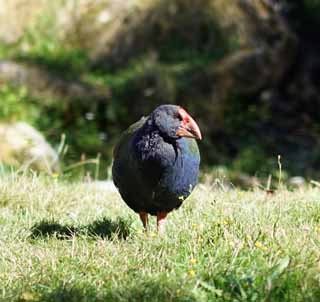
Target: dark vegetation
249, 76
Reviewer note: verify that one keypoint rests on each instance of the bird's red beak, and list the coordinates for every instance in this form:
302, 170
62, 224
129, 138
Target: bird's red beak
188, 126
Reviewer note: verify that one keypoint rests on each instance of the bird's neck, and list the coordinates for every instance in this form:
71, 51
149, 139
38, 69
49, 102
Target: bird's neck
148, 140
149, 131
152, 146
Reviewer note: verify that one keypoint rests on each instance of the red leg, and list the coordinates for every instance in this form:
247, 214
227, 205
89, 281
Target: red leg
144, 219
161, 216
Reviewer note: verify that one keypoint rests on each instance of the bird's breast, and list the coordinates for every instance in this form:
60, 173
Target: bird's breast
168, 167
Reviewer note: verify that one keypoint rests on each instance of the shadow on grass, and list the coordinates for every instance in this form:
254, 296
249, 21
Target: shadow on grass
145, 291
104, 228
63, 294
151, 290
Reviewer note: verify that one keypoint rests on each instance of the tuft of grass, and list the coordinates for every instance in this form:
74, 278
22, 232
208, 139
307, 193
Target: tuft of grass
79, 242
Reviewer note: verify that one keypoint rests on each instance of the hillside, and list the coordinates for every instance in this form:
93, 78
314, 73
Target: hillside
247, 70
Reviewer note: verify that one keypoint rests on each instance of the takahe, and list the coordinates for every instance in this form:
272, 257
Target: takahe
156, 162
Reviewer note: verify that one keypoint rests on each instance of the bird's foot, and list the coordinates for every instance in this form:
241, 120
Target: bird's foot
144, 219
161, 219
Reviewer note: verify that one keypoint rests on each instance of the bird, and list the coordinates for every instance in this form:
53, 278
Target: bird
156, 163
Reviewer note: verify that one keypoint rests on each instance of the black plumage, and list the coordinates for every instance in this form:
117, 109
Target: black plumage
156, 162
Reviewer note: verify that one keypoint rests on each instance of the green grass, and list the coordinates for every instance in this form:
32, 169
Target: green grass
76, 242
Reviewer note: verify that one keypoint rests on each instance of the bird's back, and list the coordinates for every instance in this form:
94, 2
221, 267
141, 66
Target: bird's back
125, 167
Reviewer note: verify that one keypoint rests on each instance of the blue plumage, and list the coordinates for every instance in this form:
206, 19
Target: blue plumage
155, 165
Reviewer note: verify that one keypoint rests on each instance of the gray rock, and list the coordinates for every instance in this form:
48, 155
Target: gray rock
43, 84
106, 185
21, 145
297, 181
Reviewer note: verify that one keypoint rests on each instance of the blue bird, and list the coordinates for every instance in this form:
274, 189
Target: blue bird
156, 163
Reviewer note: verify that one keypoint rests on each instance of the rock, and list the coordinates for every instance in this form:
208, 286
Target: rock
130, 38
246, 181
106, 185
23, 145
297, 181
43, 84
16, 16
268, 52
80, 22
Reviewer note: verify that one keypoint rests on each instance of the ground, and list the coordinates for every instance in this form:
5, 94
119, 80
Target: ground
79, 242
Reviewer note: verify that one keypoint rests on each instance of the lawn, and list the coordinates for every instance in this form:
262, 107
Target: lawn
78, 242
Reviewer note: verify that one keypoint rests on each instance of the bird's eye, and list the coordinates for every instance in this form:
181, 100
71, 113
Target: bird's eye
179, 117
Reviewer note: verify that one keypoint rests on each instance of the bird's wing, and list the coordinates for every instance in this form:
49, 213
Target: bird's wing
125, 169
120, 147
193, 148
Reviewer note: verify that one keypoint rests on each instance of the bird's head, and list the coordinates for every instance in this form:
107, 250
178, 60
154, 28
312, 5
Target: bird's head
174, 122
